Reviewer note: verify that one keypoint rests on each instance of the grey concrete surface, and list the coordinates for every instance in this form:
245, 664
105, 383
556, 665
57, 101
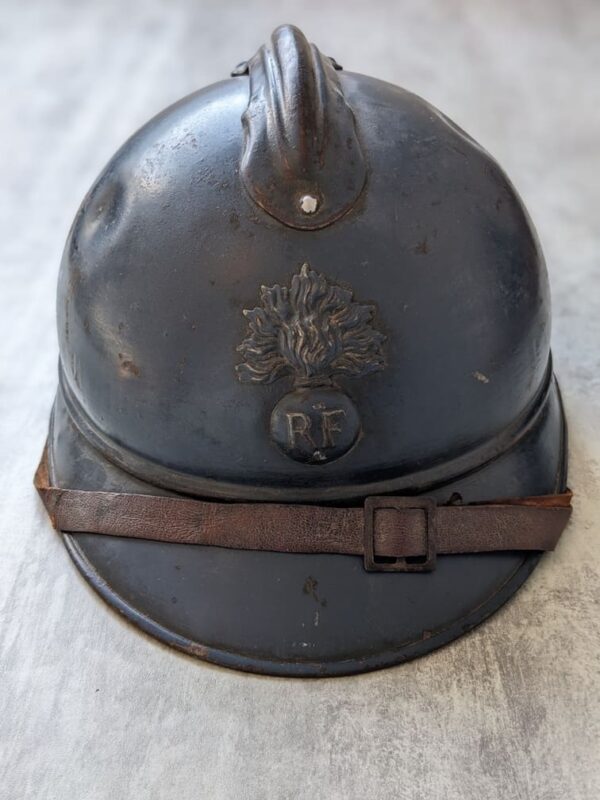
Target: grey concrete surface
90, 709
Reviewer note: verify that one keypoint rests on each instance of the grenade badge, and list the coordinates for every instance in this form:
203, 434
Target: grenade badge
314, 331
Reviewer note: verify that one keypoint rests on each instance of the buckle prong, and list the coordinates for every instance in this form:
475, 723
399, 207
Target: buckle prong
400, 564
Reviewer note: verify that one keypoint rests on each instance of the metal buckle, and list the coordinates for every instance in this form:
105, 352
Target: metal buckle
401, 564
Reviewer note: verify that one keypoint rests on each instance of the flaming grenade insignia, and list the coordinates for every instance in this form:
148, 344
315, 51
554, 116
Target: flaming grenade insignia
314, 331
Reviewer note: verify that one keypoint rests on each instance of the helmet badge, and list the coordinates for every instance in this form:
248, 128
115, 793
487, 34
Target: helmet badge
314, 331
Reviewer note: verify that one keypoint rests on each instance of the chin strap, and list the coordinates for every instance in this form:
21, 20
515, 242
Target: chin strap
393, 534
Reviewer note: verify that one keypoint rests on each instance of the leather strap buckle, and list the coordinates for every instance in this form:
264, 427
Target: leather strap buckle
425, 563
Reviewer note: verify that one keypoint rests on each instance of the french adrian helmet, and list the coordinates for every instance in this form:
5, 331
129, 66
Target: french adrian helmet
307, 422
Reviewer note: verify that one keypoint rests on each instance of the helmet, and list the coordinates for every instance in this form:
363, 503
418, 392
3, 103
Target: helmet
304, 349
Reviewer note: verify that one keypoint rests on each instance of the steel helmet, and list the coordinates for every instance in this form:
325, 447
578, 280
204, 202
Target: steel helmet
307, 422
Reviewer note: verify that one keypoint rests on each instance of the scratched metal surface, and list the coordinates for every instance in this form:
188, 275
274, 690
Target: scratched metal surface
89, 707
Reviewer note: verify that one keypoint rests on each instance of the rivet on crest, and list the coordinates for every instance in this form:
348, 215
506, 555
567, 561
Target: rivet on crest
308, 203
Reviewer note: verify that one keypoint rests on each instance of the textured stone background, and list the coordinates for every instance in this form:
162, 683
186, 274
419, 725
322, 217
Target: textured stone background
90, 709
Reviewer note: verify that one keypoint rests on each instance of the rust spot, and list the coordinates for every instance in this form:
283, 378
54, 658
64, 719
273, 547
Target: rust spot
127, 367
310, 588
422, 248
195, 649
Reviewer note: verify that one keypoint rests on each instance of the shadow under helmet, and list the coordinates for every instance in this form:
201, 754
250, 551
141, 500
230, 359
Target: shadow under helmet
307, 422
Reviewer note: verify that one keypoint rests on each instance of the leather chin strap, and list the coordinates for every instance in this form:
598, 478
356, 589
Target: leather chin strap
399, 534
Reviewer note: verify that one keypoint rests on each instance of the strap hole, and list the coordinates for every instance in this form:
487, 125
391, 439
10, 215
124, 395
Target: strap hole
385, 559
416, 559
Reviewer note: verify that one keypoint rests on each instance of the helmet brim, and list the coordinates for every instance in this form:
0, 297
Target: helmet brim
304, 615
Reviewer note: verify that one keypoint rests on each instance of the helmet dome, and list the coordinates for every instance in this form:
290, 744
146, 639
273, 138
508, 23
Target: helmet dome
179, 233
